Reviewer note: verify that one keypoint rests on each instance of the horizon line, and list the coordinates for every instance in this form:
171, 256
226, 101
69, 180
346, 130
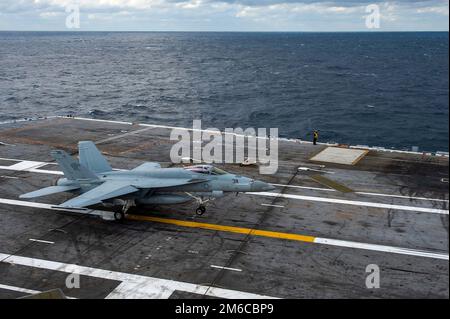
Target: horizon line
235, 31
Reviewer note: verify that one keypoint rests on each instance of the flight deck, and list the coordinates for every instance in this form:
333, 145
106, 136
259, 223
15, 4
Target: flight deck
337, 213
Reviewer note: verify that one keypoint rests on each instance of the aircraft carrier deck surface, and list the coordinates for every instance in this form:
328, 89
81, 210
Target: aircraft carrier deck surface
303, 240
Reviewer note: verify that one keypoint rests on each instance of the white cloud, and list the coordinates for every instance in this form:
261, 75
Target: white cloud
296, 10
443, 10
309, 15
50, 14
192, 4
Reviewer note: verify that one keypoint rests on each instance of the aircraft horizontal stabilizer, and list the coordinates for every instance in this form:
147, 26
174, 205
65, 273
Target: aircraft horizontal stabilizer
100, 193
48, 191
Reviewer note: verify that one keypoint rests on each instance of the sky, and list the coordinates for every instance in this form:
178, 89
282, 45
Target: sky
224, 15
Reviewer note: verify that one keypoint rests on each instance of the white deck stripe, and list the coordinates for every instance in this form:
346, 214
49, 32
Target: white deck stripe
41, 241
364, 193
133, 286
308, 198
25, 165
272, 205
382, 248
18, 289
347, 202
354, 203
112, 138
103, 214
98, 120
325, 241
24, 203
9, 177
298, 141
402, 196
35, 169
24, 290
305, 187
31, 119
43, 171
226, 268
10, 159
319, 199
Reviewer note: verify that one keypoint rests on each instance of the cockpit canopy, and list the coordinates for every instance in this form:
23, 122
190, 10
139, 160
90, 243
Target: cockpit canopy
206, 169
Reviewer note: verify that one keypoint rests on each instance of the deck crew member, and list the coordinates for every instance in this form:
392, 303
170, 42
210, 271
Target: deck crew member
315, 137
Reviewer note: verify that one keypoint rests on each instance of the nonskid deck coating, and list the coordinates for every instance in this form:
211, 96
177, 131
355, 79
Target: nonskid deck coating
185, 255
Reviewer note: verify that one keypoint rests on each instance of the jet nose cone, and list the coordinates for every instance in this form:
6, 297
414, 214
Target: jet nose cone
258, 186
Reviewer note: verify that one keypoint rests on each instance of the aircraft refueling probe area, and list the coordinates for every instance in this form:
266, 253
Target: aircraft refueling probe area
87, 220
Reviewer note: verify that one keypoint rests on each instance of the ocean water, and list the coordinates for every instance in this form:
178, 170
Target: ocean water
378, 89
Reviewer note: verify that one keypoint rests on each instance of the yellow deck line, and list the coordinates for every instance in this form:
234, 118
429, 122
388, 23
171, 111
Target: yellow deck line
230, 229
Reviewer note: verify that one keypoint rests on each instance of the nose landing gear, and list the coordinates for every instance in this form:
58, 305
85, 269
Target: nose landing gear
200, 210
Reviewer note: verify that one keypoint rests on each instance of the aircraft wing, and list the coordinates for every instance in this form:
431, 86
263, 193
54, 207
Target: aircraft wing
165, 182
112, 189
107, 190
48, 191
146, 166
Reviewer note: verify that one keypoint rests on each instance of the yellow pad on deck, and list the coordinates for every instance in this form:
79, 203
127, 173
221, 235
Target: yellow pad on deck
339, 155
328, 182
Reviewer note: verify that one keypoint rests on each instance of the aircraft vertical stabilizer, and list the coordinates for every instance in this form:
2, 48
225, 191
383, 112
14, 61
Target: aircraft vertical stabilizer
71, 168
91, 158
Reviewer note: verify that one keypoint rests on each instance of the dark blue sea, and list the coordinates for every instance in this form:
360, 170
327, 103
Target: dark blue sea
378, 89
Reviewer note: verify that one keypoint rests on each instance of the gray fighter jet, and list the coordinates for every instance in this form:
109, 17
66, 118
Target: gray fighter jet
93, 179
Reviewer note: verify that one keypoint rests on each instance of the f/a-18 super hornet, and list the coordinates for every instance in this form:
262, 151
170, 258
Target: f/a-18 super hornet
93, 179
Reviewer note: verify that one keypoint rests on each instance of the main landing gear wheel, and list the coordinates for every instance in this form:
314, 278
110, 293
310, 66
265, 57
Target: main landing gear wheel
118, 215
120, 212
200, 210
